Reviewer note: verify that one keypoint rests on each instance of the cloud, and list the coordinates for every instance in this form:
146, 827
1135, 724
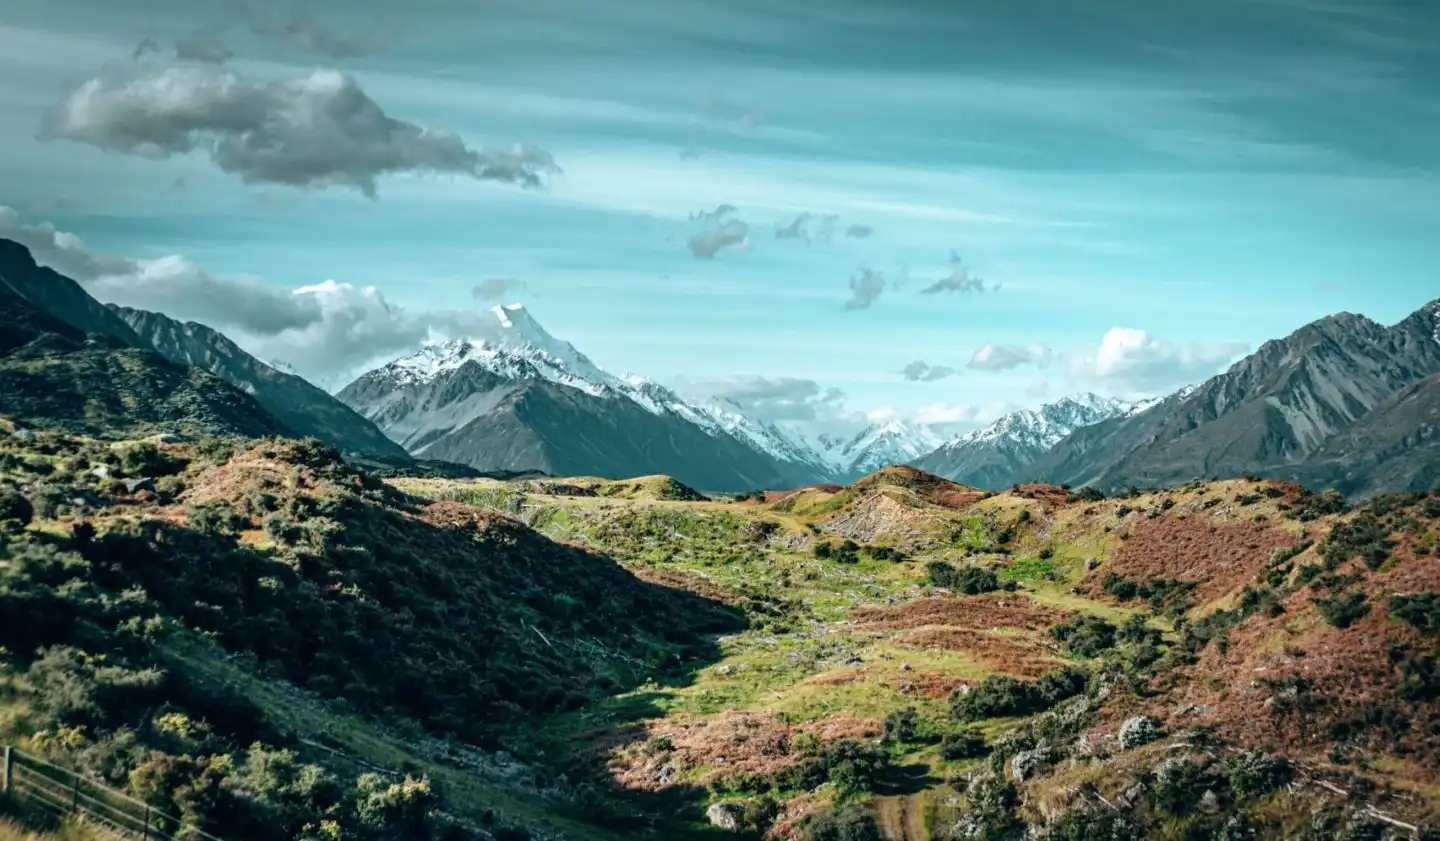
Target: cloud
709, 216
1009, 357
328, 331
777, 398
146, 46
304, 33
924, 372
1132, 362
959, 280
706, 244
794, 230
207, 47
172, 284
865, 287
859, 231
313, 131
496, 288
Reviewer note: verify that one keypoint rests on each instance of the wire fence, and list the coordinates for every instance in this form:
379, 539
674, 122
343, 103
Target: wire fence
34, 783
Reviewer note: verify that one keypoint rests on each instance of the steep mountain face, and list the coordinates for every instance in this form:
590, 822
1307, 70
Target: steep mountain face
1269, 414
54, 374
302, 407
1395, 447
518, 399
1002, 453
59, 296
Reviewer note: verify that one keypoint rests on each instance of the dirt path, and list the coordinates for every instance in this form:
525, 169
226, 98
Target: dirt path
901, 818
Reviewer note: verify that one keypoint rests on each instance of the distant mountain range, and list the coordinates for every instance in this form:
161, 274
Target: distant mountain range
1342, 402
1004, 452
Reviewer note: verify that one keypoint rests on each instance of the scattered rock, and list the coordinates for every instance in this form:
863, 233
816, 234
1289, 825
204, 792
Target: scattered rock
1209, 802
904, 667
727, 816
1139, 730
134, 485
101, 472
1092, 563
723, 671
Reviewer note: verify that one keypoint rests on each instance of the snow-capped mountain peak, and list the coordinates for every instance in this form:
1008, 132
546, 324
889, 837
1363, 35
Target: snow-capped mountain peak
1048, 425
891, 441
514, 346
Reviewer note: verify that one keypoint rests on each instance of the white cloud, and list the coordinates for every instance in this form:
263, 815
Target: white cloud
1009, 357
1130, 362
328, 331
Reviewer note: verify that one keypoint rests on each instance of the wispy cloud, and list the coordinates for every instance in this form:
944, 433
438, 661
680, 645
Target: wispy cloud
923, 372
866, 286
1009, 357
711, 241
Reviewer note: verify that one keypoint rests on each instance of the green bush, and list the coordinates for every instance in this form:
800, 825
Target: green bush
1181, 783
963, 744
854, 767
1085, 635
902, 726
1000, 696
851, 822
1421, 611
1255, 774
16, 512
1343, 611
969, 580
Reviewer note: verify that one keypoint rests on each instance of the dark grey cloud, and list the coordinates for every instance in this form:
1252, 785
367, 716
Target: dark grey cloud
709, 242
314, 131
865, 287
924, 372
1010, 357
495, 288
205, 46
777, 398
859, 231
173, 285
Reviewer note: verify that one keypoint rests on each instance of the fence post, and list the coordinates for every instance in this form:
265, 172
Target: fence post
6, 770
147, 822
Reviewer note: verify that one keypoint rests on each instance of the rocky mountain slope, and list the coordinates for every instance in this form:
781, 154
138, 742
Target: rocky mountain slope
1270, 414
1002, 453
302, 407
54, 373
879, 444
518, 399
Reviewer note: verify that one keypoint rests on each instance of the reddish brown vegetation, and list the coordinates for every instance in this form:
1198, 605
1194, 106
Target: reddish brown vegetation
731, 744
1052, 496
927, 486
1220, 557
1018, 655
996, 610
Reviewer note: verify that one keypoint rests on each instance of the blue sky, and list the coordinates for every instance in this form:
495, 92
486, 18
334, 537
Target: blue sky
1143, 191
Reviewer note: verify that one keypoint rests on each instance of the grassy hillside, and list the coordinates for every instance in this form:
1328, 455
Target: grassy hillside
269, 644
929, 661
272, 644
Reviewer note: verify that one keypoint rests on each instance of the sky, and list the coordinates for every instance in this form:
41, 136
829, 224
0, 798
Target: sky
825, 209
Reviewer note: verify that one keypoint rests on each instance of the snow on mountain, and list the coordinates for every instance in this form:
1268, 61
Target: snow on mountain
721, 416
884, 443
1001, 453
1048, 425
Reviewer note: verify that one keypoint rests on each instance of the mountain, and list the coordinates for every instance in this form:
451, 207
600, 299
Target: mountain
1395, 446
59, 296
302, 407
1291, 401
55, 374
878, 445
517, 399
1001, 454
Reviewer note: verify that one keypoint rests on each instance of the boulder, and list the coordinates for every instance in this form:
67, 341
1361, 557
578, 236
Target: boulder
729, 816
